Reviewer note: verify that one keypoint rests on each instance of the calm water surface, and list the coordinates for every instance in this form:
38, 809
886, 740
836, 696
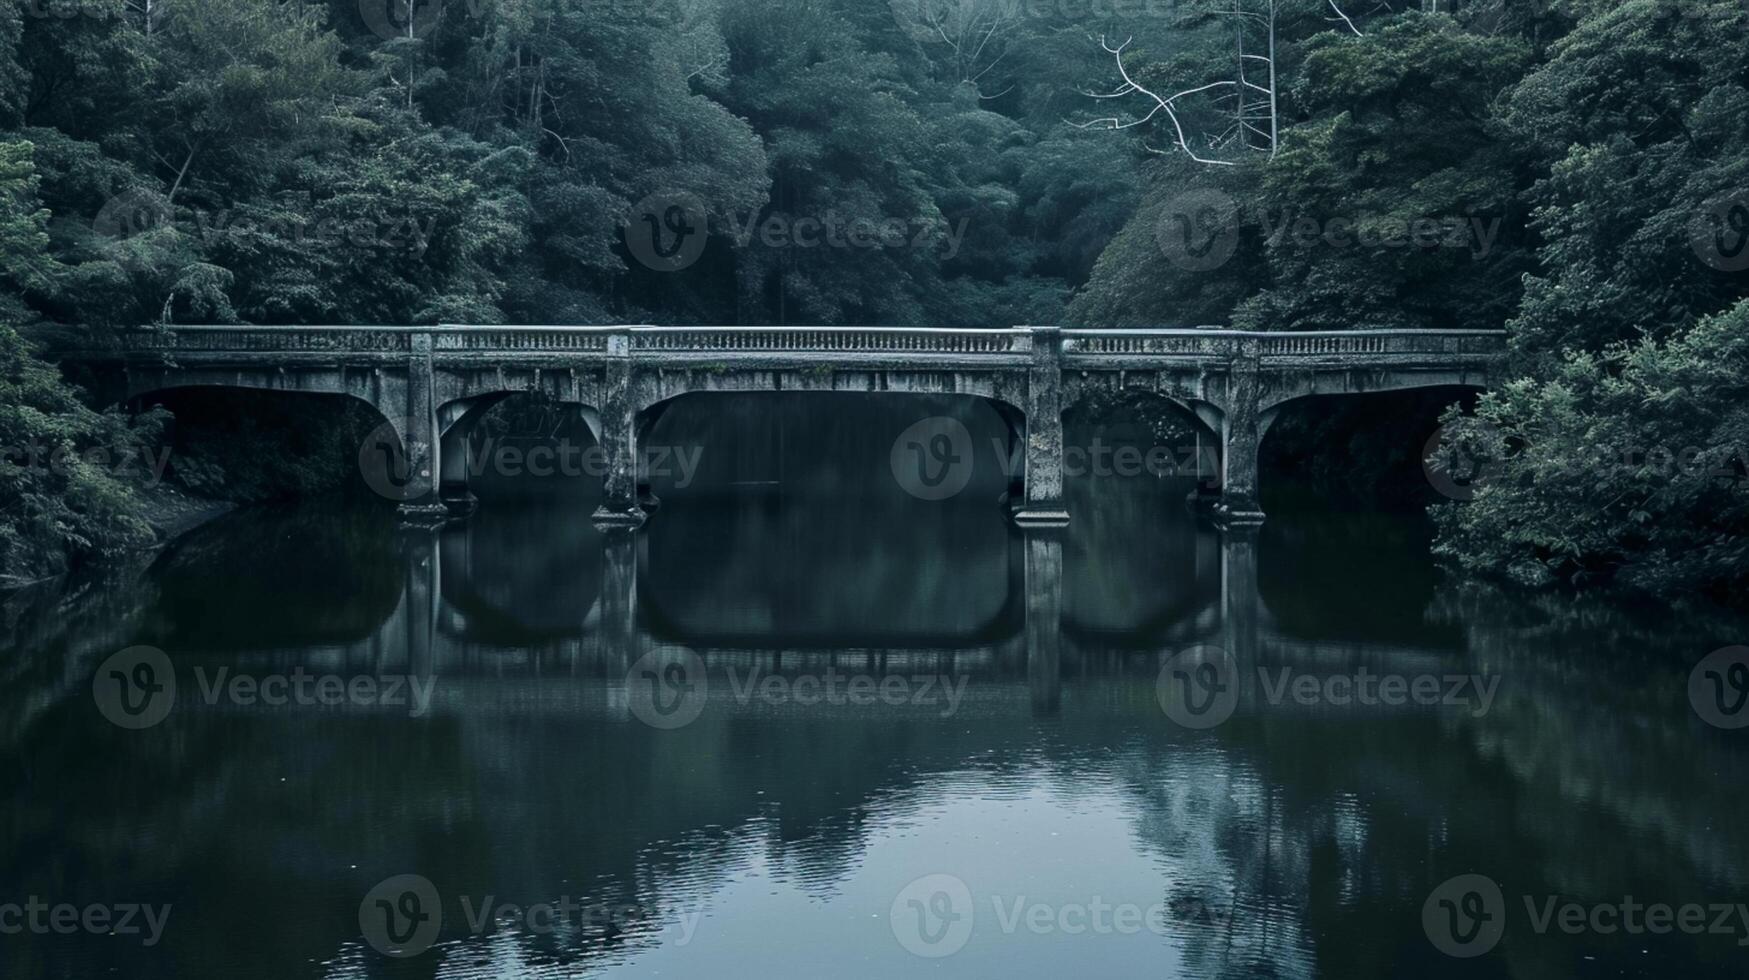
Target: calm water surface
1006, 744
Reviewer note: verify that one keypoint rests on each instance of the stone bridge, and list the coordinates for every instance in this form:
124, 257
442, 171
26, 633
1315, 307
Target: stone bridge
433, 383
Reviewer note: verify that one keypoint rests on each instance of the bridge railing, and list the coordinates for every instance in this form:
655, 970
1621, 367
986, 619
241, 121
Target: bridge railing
1198, 343
858, 340
268, 339
1217, 343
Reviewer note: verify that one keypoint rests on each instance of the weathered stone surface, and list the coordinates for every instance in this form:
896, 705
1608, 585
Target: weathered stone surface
433, 382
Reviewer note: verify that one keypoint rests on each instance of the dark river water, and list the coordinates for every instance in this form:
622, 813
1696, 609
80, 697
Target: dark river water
780, 735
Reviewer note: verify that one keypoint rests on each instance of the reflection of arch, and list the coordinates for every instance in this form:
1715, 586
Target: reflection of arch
737, 573
533, 603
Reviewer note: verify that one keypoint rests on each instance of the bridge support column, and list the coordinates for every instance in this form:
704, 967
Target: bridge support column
1241, 434
1043, 503
452, 463
419, 437
1044, 620
619, 440
1240, 602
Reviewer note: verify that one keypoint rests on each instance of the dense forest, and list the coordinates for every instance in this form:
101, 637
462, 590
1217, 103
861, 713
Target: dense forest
1576, 171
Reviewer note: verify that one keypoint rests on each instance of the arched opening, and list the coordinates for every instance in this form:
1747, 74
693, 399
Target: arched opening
254, 445
276, 577
878, 448
523, 446
1134, 459
1343, 482
1359, 452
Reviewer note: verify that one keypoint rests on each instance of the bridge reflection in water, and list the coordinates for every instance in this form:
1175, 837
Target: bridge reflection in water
1281, 844
536, 609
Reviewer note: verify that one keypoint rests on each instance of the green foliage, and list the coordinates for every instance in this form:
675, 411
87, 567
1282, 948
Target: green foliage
1559, 166
1631, 465
62, 496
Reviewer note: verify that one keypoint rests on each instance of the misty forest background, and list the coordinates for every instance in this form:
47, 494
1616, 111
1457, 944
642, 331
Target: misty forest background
158, 158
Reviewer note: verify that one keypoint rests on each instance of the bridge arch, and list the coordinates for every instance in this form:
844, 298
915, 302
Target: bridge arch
1236, 380
720, 418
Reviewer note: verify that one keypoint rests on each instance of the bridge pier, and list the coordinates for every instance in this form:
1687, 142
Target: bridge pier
1043, 502
1232, 380
1242, 428
420, 503
619, 439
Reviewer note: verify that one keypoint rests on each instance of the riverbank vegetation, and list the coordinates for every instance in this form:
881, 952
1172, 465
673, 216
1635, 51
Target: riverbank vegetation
1573, 170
